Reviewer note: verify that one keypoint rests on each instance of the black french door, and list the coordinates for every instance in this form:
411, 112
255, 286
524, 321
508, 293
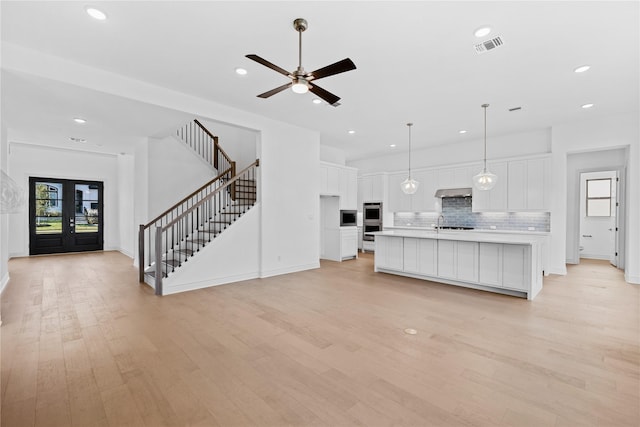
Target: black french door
65, 216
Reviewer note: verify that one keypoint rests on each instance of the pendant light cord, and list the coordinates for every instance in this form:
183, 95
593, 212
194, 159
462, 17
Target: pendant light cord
409, 125
485, 135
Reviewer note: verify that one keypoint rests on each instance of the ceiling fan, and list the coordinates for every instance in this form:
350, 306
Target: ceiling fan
301, 81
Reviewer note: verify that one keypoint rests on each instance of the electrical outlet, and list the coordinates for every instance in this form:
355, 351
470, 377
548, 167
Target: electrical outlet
531, 228
492, 227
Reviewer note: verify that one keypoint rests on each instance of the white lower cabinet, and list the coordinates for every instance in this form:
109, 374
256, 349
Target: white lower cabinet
458, 260
447, 259
389, 253
505, 265
467, 261
498, 267
348, 242
516, 262
491, 264
420, 256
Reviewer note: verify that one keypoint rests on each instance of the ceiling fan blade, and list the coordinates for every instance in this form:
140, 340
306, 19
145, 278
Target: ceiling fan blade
333, 69
276, 90
268, 64
324, 94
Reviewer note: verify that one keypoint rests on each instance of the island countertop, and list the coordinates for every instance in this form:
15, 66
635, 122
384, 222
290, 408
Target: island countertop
468, 235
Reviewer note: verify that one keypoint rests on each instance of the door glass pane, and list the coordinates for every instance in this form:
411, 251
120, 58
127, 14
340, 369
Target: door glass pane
86, 208
598, 207
599, 188
48, 202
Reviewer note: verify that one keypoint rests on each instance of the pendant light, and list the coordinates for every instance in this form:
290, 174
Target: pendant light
485, 180
409, 185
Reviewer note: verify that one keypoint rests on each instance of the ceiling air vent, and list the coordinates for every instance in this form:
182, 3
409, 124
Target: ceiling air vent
488, 45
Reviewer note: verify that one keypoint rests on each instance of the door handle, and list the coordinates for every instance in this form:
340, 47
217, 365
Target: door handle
587, 235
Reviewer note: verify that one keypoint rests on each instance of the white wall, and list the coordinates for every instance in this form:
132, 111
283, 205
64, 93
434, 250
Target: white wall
239, 143
27, 160
520, 144
4, 218
127, 231
613, 132
175, 171
332, 155
597, 235
585, 162
223, 260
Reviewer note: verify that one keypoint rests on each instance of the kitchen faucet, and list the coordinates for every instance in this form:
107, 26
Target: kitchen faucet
438, 226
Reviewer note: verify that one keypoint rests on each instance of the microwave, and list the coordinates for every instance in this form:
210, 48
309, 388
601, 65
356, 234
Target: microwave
348, 218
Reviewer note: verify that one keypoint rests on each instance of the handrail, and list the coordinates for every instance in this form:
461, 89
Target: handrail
215, 138
175, 238
184, 199
210, 195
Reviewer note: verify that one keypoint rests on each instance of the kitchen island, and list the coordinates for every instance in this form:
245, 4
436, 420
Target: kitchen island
506, 263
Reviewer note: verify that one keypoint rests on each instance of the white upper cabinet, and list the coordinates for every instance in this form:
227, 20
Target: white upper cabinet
348, 188
336, 180
528, 181
424, 200
398, 201
494, 200
329, 180
370, 189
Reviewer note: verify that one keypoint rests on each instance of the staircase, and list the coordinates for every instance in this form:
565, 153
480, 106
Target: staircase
168, 242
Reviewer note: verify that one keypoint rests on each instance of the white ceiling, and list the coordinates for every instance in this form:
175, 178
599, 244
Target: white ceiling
416, 62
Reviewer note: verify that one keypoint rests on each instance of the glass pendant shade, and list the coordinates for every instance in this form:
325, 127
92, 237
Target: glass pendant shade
409, 186
485, 180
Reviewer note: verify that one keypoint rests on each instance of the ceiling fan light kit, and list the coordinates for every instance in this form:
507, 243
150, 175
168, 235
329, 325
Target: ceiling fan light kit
485, 180
301, 81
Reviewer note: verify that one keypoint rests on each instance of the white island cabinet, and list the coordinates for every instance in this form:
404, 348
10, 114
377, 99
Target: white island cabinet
504, 263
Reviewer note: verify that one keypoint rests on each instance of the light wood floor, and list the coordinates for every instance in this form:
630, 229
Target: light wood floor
84, 345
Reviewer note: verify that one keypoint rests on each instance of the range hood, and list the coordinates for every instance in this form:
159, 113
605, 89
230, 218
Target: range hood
454, 192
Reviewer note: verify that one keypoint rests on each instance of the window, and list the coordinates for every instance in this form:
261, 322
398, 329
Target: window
599, 197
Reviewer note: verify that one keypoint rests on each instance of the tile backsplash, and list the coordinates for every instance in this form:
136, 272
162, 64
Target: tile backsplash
457, 212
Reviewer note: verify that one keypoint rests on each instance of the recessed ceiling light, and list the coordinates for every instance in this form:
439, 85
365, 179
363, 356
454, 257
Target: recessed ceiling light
95, 13
462, 131
79, 120
482, 31
317, 101
582, 69
393, 146
241, 71
351, 132
585, 106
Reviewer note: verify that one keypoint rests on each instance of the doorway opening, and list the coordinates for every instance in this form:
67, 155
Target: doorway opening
65, 216
599, 216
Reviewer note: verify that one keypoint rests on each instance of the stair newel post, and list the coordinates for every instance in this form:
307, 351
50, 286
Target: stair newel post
216, 152
233, 184
159, 272
141, 262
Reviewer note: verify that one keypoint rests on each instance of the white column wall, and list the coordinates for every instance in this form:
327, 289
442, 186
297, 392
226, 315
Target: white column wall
127, 232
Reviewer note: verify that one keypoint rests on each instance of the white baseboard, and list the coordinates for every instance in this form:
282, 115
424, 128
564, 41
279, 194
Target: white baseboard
125, 252
287, 270
604, 257
561, 271
631, 279
3, 282
169, 289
